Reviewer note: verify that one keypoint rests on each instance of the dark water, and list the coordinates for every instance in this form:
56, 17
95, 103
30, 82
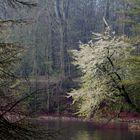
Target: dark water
72, 130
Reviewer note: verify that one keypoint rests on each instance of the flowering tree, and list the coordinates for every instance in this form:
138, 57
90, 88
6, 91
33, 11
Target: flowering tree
104, 69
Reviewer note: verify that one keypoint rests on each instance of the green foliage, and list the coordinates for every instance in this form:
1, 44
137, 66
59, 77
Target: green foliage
132, 14
9, 56
132, 77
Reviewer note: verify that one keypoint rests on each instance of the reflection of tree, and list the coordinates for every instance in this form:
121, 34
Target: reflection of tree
82, 134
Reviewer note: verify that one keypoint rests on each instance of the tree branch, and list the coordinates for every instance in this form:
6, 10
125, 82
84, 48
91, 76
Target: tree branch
19, 101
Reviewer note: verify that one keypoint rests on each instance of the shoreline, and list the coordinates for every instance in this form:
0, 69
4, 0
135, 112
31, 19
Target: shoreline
102, 123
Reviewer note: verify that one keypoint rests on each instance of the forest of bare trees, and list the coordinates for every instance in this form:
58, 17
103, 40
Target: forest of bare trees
39, 70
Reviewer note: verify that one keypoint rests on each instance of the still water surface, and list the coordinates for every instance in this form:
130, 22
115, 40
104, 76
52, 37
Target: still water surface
72, 130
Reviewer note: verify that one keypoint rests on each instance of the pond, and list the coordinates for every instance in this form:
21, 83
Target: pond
75, 130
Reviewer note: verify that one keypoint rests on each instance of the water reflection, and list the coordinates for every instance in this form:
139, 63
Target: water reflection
84, 135
72, 130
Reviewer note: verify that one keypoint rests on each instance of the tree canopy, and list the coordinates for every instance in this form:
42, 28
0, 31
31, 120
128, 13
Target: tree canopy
104, 70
